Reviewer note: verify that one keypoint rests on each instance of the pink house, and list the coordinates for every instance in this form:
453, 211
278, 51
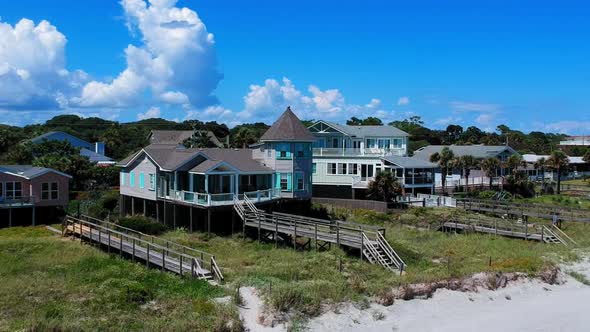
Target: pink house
31, 194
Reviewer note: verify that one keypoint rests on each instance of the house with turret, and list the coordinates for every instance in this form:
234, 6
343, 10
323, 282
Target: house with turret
173, 183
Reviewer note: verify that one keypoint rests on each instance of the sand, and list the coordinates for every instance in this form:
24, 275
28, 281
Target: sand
526, 305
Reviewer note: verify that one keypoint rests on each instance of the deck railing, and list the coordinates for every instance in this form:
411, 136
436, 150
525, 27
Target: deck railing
327, 152
204, 199
17, 201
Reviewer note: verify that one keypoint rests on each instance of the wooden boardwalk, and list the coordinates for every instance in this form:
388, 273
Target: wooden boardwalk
520, 209
370, 240
509, 228
171, 257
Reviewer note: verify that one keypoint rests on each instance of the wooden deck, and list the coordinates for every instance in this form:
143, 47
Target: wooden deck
519, 210
368, 239
138, 246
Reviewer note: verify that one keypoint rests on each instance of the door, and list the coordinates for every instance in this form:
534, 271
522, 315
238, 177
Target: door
335, 142
363, 172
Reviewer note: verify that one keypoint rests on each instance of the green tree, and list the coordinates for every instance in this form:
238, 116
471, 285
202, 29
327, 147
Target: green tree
490, 167
541, 165
586, 157
370, 121
385, 186
514, 162
558, 161
444, 159
244, 137
454, 132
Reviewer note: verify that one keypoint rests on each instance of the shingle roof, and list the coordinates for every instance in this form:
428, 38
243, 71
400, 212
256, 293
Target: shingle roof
368, 131
170, 136
409, 162
28, 171
170, 157
61, 136
288, 128
477, 151
179, 136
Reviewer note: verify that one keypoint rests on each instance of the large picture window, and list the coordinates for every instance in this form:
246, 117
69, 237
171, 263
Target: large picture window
14, 189
353, 169
49, 191
397, 143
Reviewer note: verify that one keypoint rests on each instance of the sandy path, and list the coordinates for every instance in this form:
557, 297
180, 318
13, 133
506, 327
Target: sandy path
522, 306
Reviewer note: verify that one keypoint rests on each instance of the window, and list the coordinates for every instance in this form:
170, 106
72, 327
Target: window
299, 181
397, 143
301, 150
283, 151
49, 191
370, 143
1, 189
269, 150
122, 178
331, 168
314, 169
14, 189
132, 179
341, 168
285, 181
383, 143
353, 168
152, 181
141, 181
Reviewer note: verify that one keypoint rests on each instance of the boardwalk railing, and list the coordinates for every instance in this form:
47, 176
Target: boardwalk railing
520, 209
168, 255
369, 239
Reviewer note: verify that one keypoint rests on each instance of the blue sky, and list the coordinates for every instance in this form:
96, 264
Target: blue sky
521, 63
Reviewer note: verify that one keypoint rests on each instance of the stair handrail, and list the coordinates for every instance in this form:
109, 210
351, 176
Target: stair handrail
551, 233
196, 271
395, 258
564, 234
215, 269
371, 248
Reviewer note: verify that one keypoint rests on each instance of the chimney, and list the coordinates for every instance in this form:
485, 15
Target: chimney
99, 148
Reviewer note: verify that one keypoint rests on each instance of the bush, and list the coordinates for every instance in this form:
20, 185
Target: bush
143, 225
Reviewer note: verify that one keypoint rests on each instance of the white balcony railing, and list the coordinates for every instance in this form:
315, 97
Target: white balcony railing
336, 152
204, 199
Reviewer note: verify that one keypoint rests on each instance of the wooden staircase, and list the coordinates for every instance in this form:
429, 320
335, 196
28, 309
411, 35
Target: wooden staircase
368, 239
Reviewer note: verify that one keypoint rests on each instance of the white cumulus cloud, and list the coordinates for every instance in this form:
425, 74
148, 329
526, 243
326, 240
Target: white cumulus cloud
153, 112
32, 67
403, 101
176, 62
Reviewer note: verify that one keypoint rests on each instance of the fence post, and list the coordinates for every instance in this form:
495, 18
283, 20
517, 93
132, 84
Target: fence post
295, 235
362, 241
276, 232
316, 236
181, 265
109, 236
163, 260
133, 252
337, 233
147, 262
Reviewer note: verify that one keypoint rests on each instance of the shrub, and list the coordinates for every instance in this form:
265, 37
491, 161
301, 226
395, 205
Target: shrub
143, 225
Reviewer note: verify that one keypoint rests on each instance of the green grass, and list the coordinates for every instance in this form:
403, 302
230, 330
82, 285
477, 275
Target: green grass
580, 277
52, 283
578, 182
304, 280
560, 200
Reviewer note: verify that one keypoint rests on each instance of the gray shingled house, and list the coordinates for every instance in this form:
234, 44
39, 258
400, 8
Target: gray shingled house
171, 182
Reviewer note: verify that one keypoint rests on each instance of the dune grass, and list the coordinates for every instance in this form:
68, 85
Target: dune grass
51, 283
560, 200
304, 280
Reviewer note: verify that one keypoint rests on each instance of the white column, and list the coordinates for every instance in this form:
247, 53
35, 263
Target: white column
191, 182
207, 183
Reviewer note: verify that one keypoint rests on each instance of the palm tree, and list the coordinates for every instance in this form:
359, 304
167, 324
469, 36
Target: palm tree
385, 186
466, 163
490, 167
444, 159
558, 161
513, 163
586, 157
244, 137
540, 165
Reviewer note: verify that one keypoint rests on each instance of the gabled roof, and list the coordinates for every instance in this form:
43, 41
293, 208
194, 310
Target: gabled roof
170, 157
409, 162
532, 158
288, 128
477, 151
61, 136
179, 136
28, 171
365, 131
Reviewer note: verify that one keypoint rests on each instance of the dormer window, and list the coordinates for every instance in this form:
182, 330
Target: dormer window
283, 150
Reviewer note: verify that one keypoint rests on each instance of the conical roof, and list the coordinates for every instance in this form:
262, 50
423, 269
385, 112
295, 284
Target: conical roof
288, 128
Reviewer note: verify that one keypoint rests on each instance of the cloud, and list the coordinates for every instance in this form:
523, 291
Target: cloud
403, 101
214, 113
461, 106
484, 119
153, 112
569, 127
176, 62
442, 122
374, 104
32, 67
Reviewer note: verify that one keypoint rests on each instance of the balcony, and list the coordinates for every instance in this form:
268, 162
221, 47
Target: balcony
204, 199
351, 152
14, 202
